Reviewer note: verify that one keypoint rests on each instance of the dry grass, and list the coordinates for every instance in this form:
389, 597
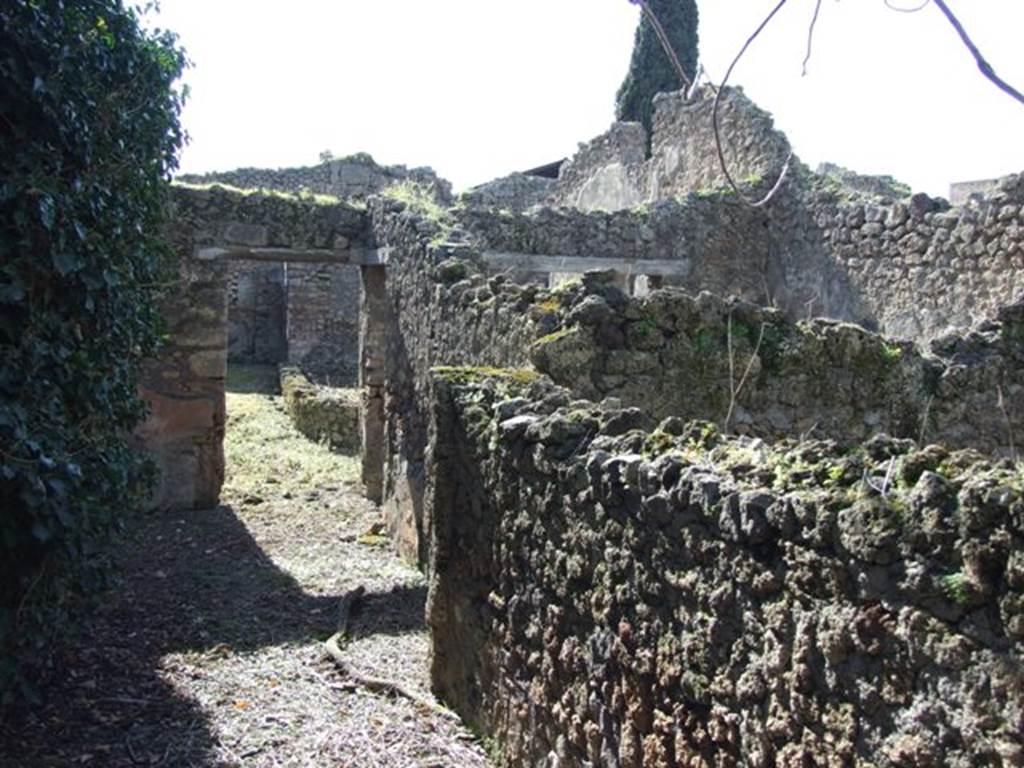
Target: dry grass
265, 456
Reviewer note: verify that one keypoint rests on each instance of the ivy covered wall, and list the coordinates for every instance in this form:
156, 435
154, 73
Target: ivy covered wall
89, 133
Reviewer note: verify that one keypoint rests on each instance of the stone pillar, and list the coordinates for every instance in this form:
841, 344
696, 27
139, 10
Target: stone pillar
184, 388
373, 341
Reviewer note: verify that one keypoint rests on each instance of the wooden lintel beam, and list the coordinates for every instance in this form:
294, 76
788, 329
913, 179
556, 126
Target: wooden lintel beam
356, 256
529, 262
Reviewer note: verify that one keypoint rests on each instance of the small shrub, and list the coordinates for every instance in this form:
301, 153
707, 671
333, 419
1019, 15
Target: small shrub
418, 199
955, 587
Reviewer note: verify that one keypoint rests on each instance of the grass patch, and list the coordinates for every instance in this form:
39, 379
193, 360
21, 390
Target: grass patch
556, 336
469, 375
417, 198
303, 196
265, 454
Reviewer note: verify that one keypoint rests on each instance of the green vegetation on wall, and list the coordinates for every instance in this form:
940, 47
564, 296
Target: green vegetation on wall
650, 70
89, 132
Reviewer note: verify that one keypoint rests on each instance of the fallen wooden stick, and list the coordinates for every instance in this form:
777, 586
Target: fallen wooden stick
373, 684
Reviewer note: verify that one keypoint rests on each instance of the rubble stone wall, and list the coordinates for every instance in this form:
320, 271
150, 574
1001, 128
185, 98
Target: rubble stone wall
668, 352
718, 243
607, 595
356, 177
752, 371
439, 310
838, 245
516, 192
324, 414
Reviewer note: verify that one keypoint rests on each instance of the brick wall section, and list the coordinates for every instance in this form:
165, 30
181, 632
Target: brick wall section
603, 595
256, 312
323, 321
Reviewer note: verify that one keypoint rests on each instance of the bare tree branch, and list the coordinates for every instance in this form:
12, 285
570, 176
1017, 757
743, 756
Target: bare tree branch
983, 65
718, 133
810, 36
915, 9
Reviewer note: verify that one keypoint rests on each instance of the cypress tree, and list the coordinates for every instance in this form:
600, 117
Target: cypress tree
651, 70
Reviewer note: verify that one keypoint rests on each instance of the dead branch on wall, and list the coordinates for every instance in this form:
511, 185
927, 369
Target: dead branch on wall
810, 36
333, 648
754, 203
736, 388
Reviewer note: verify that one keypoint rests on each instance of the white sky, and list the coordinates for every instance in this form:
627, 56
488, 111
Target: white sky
479, 88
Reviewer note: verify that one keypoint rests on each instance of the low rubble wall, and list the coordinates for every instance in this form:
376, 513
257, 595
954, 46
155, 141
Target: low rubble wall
321, 413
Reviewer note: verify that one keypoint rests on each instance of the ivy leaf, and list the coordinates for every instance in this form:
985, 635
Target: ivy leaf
12, 293
40, 531
64, 263
47, 212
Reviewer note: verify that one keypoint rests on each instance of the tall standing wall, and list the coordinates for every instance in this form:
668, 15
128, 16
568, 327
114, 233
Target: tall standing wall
603, 594
838, 245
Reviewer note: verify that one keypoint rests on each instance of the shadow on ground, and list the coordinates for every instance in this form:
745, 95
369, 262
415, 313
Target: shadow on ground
195, 581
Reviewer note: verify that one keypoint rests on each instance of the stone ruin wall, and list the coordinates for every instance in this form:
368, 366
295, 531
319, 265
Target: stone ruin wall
615, 584
516, 192
909, 266
434, 315
714, 579
604, 593
667, 352
297, 313
185, 386
357, 177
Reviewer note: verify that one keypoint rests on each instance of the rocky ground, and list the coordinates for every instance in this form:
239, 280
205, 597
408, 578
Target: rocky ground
208, 651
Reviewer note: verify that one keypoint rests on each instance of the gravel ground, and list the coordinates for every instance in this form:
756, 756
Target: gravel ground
208, 650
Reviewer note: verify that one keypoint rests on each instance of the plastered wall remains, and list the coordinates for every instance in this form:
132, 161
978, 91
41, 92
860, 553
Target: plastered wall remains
516, 192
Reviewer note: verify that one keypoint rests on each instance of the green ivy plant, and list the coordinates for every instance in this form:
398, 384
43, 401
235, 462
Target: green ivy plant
89, 134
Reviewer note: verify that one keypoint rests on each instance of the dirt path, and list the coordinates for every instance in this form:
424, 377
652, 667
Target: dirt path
208, 651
